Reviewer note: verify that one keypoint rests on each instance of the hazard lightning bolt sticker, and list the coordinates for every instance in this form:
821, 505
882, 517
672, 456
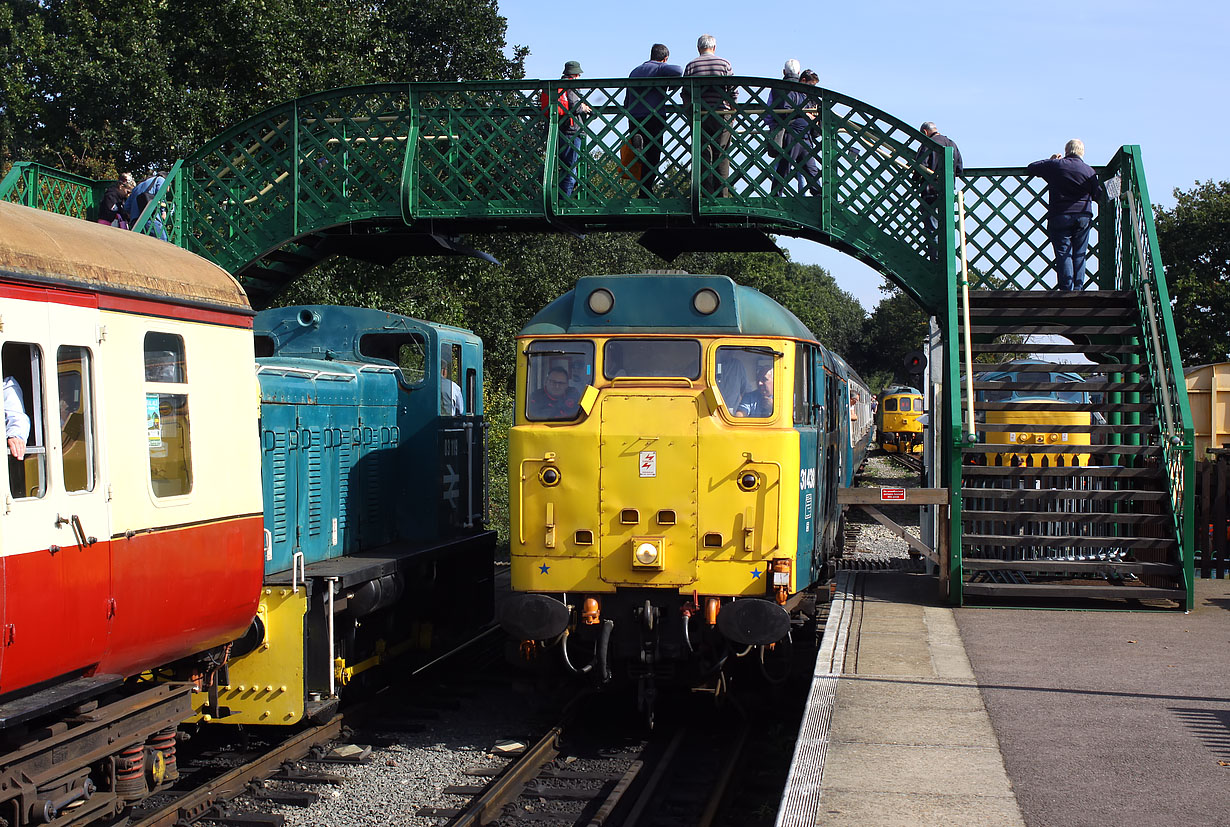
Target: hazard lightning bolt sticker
649, 463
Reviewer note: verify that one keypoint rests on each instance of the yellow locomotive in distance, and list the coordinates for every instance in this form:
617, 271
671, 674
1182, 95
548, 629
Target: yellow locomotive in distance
897, 427
1025, 391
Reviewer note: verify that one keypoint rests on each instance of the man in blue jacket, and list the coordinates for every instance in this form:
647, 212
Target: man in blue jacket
1073, 185
645, 107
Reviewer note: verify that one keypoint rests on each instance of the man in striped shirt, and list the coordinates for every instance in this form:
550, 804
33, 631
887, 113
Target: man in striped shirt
716, 105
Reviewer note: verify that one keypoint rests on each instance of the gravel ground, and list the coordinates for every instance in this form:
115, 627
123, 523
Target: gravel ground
413, 772
872, 539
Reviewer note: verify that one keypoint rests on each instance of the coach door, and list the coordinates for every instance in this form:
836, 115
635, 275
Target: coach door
56, 545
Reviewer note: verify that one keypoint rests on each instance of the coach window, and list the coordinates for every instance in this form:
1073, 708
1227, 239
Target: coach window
746, 377
556, 375
23, 419
74, 378
167, 423
406, 350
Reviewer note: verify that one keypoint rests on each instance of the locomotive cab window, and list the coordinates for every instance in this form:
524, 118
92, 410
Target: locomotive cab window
406, 350
75, 382
23, 419
556, 374
746, 380
651, 358
890, 404
167, 421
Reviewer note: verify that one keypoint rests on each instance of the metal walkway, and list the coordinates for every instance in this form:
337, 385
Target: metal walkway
380, 172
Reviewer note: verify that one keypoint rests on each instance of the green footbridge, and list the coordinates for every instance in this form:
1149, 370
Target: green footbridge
380, 172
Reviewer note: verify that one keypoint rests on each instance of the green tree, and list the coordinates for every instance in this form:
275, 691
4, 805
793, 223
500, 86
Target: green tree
1194, 238
896, 327
96, 86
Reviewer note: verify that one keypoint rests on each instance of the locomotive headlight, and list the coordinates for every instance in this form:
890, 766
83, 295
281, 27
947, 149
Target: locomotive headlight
749, 481
647, 552
549, 476
601, 301
706, 301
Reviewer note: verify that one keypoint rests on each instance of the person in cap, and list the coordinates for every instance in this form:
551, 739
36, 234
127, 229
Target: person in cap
111, 211
573, 109
1072, 185
645, 111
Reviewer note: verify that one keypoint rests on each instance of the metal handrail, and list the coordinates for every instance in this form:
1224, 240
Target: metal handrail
1161, 374
969, 348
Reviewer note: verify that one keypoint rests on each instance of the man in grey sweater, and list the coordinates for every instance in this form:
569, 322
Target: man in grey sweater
716, 100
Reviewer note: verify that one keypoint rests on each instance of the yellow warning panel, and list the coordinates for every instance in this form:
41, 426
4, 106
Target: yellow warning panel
266, 685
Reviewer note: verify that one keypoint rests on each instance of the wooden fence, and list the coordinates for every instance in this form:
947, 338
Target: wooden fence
1213, 515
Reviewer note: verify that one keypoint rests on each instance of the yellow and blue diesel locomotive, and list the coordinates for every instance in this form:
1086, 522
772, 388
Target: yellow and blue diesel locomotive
898, 428
1018, 404
674, 464
373, 449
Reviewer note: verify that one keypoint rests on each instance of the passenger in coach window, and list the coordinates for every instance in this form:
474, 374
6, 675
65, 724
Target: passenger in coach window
16, 422
759, 402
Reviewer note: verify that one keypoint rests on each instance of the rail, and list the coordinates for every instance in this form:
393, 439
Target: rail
1139, 269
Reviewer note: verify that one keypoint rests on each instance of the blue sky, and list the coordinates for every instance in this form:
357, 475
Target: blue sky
1010, 82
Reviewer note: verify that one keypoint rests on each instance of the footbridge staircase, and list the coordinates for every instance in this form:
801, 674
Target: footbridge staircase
381, 172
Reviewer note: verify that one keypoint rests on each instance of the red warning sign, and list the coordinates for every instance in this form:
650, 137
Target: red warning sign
892, 494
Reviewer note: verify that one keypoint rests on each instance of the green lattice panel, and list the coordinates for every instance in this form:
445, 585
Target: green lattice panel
478, 153
1005, 226
46, 188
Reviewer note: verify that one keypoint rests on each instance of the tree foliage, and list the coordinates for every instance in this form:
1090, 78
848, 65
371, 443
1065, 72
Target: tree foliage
100, 86
896, 327
497, 301
1194, 238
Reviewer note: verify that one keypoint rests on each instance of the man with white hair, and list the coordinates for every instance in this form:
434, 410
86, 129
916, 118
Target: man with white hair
715, 114
1072, 185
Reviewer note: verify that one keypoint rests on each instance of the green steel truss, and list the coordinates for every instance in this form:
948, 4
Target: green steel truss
406, 168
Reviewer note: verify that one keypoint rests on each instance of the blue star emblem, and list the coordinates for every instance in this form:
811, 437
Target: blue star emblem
756, 573
544, 568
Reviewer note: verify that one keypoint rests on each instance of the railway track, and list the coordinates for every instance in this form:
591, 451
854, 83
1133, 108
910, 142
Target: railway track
911, 462
678, 777
219, 798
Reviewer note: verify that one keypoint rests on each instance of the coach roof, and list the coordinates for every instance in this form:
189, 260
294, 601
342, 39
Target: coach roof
666, 303
46, 248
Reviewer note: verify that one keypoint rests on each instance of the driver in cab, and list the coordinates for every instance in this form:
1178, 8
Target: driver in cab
758, 402
555, 399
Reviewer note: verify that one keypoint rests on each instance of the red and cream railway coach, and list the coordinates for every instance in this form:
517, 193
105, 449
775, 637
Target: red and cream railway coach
131, 534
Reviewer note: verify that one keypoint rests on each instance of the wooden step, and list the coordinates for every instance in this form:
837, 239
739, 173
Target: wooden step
1123, 430
1016, 517
1056, 448
1088, 386
1091, 471
1091, 568
1011, 347
1051, 298
1066, 541
1006, 313
1067, 367
1118, 407
1051, 495
1064, 590
1054, 330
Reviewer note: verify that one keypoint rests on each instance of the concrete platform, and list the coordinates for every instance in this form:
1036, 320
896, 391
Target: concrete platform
1052, 718
909, 741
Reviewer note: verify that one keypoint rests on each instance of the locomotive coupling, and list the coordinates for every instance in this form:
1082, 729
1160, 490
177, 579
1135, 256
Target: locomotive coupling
532, 616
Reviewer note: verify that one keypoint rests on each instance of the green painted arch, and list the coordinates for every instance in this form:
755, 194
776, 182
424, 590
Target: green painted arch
385, 170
